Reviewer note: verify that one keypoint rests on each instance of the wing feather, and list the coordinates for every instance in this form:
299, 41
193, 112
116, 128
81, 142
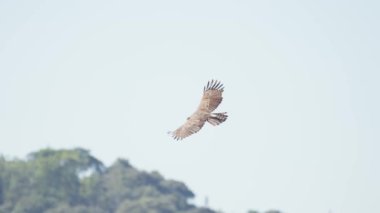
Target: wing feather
191, 126
212, 96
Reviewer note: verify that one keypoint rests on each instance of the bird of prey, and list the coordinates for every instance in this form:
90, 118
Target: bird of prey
212, 97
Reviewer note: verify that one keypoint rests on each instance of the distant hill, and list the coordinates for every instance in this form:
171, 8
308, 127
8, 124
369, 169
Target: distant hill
73, 181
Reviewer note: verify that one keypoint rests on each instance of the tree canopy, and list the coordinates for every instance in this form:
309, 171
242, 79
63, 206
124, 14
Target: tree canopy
62, 181
74, 181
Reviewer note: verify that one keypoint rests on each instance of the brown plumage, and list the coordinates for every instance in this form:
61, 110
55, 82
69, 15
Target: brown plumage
212, 97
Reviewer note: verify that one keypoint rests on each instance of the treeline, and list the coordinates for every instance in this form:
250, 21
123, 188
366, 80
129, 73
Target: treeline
73, 181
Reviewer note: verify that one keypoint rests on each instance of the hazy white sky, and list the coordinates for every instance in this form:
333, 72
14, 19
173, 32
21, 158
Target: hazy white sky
301, 88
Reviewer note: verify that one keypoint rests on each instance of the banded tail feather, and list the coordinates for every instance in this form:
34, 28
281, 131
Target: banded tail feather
217, 118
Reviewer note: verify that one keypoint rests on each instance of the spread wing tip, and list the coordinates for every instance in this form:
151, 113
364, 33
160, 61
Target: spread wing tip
175, 137
214, 85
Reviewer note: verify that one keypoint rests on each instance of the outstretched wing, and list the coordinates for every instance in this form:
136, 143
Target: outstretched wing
212, 96
192, 125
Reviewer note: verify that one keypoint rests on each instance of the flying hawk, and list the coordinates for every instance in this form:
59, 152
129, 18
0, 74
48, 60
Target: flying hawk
212, 97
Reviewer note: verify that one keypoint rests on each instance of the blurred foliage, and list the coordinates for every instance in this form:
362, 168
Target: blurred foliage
269, 211
73, 181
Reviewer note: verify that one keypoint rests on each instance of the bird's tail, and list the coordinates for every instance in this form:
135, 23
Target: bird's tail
217, 118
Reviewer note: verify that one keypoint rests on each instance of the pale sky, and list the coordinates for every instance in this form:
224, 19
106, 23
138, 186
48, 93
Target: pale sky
301, 88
